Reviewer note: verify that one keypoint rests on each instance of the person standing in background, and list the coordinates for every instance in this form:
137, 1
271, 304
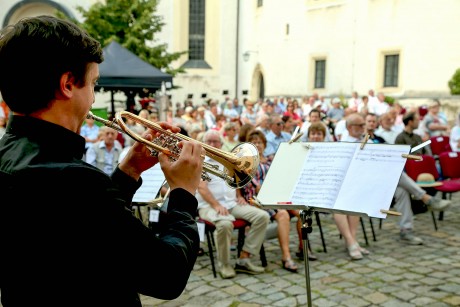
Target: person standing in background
90, 132
105, 154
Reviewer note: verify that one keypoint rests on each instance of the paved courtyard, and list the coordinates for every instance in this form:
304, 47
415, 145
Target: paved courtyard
393, 275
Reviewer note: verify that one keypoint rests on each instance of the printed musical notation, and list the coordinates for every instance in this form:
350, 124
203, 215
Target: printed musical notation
322, 174
335, 176
152, 180
377, 155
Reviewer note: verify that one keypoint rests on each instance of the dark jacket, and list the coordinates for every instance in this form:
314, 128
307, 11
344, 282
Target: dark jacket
67, 234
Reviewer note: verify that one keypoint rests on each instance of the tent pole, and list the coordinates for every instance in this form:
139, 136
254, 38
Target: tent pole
112, 104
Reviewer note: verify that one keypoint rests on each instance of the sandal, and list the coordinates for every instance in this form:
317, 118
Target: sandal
364, 251
311, 256
289, 265
354, 252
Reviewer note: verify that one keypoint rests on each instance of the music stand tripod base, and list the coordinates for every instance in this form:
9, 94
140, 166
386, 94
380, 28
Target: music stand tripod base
305, 215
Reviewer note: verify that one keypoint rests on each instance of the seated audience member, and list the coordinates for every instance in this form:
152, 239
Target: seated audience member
218, 203
411, 122
379, 106
282, 217
354, 101
348, 224
289, 125
230, 112
314, 117
454, 138
195, 131
210, 116
276, 136
290, 111
398, 112
340, 127
249, 115
105, 154
386, 128
435, 122
363, 107
262, 124
406, 189
336, 113
244, 131
371, 126
230, 136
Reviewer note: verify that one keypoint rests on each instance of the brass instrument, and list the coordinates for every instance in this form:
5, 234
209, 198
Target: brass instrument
240, 164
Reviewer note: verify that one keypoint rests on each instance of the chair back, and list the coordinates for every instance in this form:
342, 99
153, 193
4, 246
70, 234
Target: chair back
440, 144
450, 164
427, 165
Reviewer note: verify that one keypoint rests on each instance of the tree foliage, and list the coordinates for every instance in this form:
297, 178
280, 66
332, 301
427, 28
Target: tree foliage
454, 83
133, 24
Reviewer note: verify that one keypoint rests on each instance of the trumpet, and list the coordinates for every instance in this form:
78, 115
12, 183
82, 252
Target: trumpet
240, 165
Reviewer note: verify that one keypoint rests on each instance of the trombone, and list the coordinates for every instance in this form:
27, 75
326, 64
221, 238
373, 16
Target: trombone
240, 165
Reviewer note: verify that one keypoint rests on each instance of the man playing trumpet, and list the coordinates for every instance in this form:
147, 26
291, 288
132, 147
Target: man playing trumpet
70, 220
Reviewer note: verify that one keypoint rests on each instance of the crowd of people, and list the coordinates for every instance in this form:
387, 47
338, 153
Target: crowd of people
267, 123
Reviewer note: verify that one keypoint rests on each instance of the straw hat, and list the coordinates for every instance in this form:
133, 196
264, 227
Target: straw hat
426, 180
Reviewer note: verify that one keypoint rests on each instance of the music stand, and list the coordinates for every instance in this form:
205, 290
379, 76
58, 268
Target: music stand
327, 175
305, 215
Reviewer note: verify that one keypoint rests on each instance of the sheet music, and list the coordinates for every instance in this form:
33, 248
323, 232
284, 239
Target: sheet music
322, 174
152, 180
370, 182
337, 177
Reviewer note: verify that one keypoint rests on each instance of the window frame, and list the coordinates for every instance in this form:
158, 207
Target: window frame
391, 69
319, 80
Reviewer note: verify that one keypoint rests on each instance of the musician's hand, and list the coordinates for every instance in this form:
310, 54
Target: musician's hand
185, 172
139, 158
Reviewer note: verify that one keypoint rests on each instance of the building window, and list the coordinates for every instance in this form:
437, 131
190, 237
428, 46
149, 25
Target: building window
390, 78
196, 30
320, 73
260, 3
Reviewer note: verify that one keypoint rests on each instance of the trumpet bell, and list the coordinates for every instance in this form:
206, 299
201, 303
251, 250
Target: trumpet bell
246, 167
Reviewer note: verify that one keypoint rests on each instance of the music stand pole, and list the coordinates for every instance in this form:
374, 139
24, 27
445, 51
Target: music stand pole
306, 229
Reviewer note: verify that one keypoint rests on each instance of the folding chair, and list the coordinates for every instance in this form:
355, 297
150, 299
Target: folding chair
428, 165
240, 226
439, 144
450, 166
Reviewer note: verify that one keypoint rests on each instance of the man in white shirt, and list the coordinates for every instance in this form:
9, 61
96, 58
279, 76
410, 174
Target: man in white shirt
218, 203
380, 106
386, 129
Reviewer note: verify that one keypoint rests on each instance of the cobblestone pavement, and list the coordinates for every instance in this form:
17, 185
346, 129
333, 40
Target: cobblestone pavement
393, 275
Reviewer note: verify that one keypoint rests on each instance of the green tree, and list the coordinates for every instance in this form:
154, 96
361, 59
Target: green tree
454, 83
133, 24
